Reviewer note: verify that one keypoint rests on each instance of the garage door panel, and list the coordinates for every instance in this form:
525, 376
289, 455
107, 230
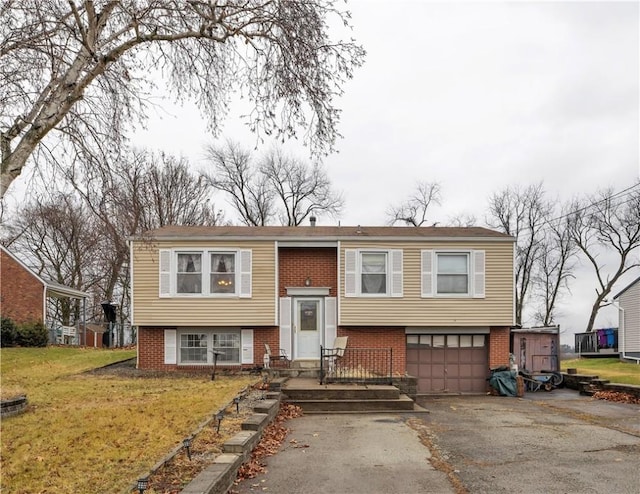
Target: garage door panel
452, 368
413, 369
437, 385
465, 370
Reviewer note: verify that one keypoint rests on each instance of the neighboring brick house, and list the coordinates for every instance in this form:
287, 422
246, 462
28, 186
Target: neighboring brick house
442, 298
629, 321
24, 294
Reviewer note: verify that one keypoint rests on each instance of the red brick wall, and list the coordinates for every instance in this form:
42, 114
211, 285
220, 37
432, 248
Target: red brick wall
21, 294
382, 338
499, 346
151, 350
297, 264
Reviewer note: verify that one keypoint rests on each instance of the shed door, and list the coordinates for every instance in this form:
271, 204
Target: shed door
453, 363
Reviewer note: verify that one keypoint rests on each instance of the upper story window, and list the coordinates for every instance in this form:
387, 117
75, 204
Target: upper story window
453, 273
373, 273
210, 273
223, 272
373, 268
189, 273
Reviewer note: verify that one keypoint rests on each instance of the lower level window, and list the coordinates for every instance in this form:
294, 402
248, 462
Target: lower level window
228, 344
199, 348
193, 348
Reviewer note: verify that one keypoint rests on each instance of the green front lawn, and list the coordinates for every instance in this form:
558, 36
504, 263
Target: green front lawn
96, 433
605, 368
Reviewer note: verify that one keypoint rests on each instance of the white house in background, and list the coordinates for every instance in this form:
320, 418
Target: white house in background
629, 317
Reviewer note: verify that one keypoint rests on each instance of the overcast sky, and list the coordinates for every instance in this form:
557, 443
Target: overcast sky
476, 96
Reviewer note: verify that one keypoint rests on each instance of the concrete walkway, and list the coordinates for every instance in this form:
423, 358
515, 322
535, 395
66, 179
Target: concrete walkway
354, 453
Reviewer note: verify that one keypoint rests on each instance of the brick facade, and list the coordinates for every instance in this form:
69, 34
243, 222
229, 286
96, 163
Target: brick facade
320, 265
380, 338
152, 340
21, 293
499, 347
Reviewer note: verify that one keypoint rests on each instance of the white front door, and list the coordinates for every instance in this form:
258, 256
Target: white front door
308, 324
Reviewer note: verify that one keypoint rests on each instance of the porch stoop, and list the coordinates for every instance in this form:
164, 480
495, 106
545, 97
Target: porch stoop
313, 397
297, 368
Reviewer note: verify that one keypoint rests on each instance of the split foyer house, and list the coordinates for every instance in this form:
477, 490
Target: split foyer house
441, 298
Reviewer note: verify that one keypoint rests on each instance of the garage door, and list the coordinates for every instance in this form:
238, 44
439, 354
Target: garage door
453, 363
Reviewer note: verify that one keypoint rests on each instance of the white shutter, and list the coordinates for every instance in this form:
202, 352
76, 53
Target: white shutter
350, 273
170, 346
427, 273
165, 273
245, 274
478, 274
330, 317
285, 324
246, 343
396, 273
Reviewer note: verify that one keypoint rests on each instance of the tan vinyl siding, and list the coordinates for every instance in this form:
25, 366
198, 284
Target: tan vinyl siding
151, 310
495, 309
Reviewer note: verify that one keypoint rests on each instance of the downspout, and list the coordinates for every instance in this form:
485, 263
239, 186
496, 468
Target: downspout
131, 319
621, 323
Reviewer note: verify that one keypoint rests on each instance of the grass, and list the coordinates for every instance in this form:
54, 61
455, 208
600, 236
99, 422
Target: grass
96, 433
605, 368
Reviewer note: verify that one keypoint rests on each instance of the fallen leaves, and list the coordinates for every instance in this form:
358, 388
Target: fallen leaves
272, 438
616, 396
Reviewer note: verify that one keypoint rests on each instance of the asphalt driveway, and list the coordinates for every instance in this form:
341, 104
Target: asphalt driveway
545, 443
556, 442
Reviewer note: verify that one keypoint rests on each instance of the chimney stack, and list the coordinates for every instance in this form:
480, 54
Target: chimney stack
312, 220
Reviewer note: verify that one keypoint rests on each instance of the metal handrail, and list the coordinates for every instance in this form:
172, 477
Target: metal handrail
356, 365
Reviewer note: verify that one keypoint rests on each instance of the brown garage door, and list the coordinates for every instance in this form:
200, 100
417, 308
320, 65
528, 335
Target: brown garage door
453, 363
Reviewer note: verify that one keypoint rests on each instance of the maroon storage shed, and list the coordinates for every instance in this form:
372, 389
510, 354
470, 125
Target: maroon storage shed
536, 349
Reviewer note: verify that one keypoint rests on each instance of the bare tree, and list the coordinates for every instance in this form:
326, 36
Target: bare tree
76, 73
463, 220
303, 190
521, 213
250, 193
57, 238
413, 211
273, 187
554, 268
607, 222
139, 191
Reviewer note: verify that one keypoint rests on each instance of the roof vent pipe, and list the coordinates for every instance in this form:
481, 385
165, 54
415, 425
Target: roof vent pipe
312, 220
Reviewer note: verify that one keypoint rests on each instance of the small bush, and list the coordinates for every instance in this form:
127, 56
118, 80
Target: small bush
32, 335
8, 332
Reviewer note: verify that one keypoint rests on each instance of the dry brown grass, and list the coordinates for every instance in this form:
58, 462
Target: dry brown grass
88, 432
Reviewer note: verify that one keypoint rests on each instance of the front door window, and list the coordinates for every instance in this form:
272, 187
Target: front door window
308, 328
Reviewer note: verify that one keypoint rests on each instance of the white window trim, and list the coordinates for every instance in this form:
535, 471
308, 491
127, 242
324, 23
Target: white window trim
387, 272
209, 332
469, 292
390, 273
206, 273
474, 274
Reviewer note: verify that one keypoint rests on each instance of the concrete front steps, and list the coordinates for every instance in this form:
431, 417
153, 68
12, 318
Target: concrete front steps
313, 397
